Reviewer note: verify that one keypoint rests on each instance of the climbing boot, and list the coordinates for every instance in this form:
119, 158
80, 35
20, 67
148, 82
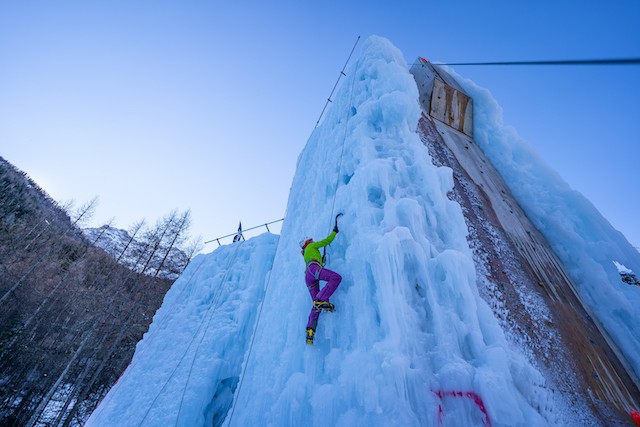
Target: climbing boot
310, 335
323, 305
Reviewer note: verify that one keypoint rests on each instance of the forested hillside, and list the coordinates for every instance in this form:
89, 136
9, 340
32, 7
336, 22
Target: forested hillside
71, 315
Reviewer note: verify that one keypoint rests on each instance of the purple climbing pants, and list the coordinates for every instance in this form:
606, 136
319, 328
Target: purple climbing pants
312, 277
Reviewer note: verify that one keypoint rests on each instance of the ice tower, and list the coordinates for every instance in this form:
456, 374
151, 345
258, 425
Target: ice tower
453, 309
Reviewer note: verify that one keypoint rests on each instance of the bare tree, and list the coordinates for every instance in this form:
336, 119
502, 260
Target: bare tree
85, 212
163, 227
133, 232
178, 234
45, 401
192, 248
70, 314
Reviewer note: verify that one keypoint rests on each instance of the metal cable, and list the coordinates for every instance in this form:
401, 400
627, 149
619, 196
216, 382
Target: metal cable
616, 61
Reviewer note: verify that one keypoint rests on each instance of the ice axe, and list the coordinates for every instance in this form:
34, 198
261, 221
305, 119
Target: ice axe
335, 227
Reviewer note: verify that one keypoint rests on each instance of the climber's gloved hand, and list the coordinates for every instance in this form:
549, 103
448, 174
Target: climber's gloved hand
335, 229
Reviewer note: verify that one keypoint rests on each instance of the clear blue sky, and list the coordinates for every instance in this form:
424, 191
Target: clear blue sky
161, 105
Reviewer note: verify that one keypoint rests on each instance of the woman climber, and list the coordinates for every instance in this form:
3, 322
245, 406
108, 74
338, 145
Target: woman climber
315, 272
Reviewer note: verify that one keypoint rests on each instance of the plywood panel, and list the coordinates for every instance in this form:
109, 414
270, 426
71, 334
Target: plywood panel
451, 107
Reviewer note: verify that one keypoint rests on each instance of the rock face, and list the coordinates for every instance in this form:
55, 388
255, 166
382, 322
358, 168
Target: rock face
518, 273
71, 316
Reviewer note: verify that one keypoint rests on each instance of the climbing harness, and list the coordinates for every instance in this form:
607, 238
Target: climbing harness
316, 275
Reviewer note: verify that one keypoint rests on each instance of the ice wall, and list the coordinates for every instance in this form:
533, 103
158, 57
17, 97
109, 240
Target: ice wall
409, 322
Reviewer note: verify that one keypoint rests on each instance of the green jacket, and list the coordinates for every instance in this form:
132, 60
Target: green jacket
312, 251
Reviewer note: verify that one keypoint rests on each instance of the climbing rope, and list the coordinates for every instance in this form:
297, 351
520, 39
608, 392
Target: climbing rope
337, 81
250, 350
150, 338
344, 135
212, 306
253, 337
344, 138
